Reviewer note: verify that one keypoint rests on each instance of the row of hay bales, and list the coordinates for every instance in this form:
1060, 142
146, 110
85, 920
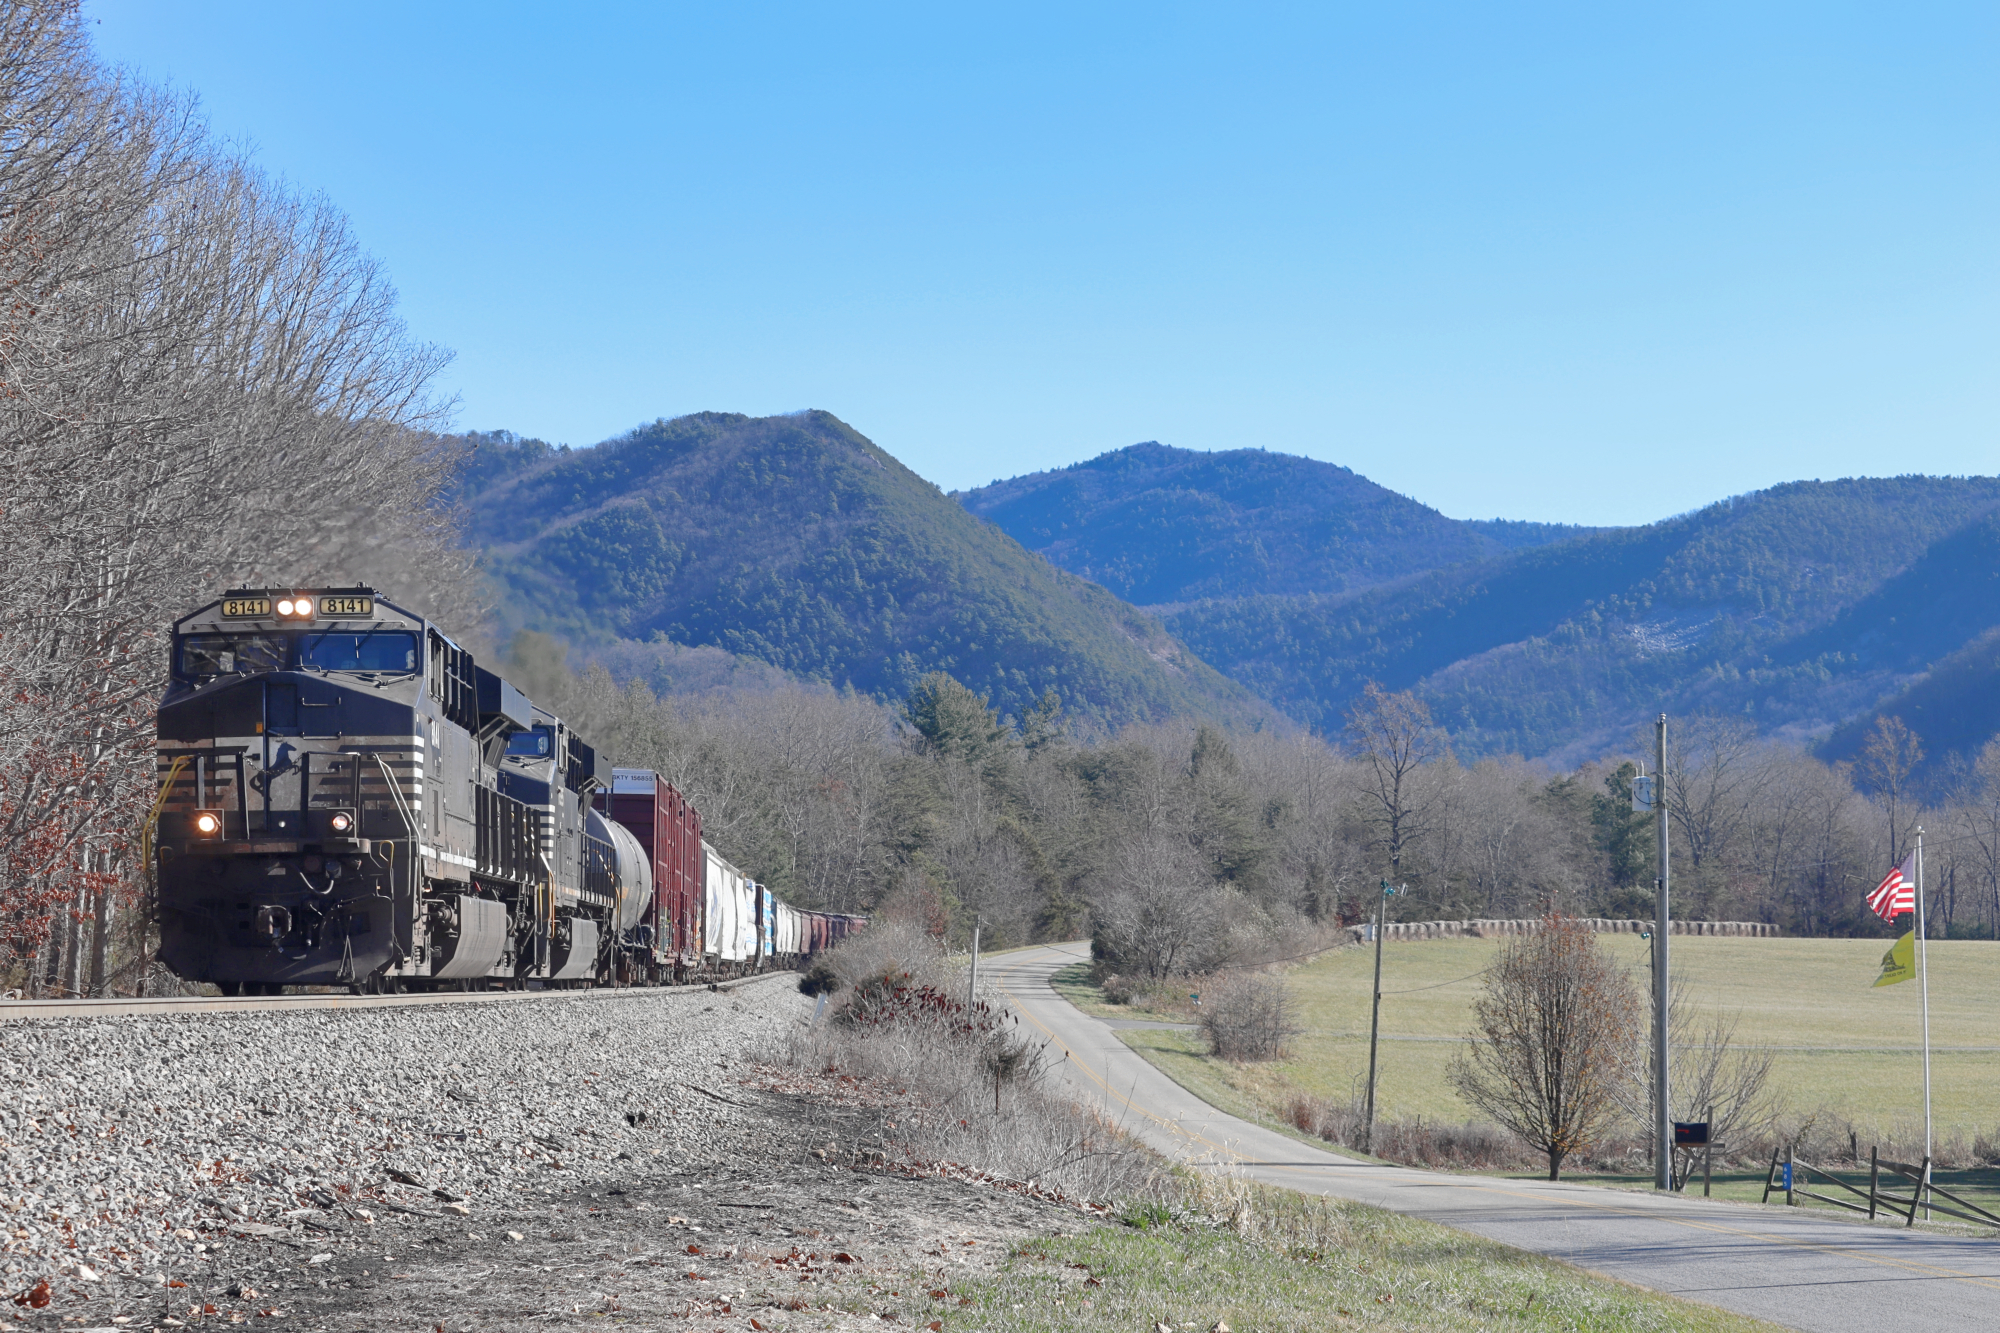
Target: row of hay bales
1490, 928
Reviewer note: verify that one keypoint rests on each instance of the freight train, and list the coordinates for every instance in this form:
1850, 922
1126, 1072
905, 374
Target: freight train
348, 799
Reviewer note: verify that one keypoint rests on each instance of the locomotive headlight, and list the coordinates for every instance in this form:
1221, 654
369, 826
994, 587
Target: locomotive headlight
303, 606
341, 822
207, 823
285, 607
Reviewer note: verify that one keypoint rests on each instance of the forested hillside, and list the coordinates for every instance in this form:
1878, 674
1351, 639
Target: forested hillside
1796, 607
1157, 525
1809, 609
796, 542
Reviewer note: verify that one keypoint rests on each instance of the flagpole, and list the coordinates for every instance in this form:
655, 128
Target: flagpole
1924, 981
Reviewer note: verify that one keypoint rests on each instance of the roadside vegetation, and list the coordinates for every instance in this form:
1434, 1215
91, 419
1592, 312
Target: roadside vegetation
1154, 1244
1260, 1260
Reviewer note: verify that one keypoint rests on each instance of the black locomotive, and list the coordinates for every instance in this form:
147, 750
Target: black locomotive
347, 798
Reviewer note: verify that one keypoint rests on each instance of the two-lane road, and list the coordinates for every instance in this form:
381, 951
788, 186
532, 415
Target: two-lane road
1788, 1265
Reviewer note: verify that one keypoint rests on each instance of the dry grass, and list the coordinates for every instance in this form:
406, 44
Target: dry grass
985, 1103
1273, 1260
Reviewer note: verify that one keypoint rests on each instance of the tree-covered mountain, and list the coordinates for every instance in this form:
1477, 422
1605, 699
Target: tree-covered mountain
1812, 607
794, 541
1935, 630
1800, 607
1161, 525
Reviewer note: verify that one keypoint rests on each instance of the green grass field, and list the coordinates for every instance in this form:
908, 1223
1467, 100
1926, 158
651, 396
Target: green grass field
1842, 1048
1844, 1052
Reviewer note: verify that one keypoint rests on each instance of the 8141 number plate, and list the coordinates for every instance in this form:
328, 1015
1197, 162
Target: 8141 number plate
347, 606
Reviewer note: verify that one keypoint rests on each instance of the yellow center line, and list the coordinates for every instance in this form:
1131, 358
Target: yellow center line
1906, 1265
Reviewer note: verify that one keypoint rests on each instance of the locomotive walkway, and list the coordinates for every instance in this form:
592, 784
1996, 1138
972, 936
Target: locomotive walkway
1804, 1269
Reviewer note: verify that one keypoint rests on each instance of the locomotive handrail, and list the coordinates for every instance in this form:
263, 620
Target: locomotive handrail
396, 795
153, 815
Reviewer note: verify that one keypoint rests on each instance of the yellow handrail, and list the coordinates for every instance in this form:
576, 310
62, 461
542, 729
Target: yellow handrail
153, 815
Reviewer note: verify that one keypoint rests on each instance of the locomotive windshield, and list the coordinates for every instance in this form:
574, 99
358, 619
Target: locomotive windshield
537, 744
359, 650
231, 654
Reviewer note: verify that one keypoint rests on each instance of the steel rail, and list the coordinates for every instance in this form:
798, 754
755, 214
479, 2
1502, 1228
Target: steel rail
141, 1006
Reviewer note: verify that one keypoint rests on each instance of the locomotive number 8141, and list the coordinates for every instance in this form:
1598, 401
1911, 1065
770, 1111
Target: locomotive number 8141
348, 799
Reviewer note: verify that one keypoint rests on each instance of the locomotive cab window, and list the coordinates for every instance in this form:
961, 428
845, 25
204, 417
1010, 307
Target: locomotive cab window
537, 744
205, 655
365, 650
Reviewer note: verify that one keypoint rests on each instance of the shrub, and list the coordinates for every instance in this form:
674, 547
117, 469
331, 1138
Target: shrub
898, 998
1468, 1147
1248, 1017
820, 979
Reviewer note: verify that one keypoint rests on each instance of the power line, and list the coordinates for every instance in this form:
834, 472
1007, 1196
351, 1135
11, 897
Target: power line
1440, 985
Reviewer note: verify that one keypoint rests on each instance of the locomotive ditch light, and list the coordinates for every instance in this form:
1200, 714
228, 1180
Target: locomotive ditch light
207, 823
342, 822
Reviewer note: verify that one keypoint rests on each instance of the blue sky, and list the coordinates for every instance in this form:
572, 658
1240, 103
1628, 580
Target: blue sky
1586, 263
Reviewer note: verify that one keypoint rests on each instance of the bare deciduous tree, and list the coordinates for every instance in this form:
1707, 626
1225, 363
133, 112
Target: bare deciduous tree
203, 383
1556, 1024
1888, 756
1710, 1074
1712, 780
1396, 740
1162, 914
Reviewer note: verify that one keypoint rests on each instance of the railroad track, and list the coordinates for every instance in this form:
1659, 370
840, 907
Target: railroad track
16, 1010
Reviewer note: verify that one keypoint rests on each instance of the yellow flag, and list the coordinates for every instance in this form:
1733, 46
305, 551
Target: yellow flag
1900, 963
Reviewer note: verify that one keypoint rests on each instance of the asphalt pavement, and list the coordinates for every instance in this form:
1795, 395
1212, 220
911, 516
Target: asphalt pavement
1810, 1269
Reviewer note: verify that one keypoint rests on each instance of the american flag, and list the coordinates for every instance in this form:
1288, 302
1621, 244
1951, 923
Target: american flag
1898, 892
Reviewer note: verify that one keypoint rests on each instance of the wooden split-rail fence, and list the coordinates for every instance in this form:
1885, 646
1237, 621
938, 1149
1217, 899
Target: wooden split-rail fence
1876, 1200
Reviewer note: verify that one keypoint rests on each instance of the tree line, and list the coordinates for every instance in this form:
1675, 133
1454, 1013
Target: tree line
1179, 846
203, 383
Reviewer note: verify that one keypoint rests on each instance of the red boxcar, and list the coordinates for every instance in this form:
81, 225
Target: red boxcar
669, 828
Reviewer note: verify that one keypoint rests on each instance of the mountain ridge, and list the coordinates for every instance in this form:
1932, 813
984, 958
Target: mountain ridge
798, 542
1158, 524
1812, 607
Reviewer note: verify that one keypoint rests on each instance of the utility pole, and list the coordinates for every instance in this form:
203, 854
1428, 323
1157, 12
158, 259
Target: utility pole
1663, 1127
1924, 980
972, 984
1375, 1017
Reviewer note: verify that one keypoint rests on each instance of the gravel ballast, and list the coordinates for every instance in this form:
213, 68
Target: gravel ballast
223, 1151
